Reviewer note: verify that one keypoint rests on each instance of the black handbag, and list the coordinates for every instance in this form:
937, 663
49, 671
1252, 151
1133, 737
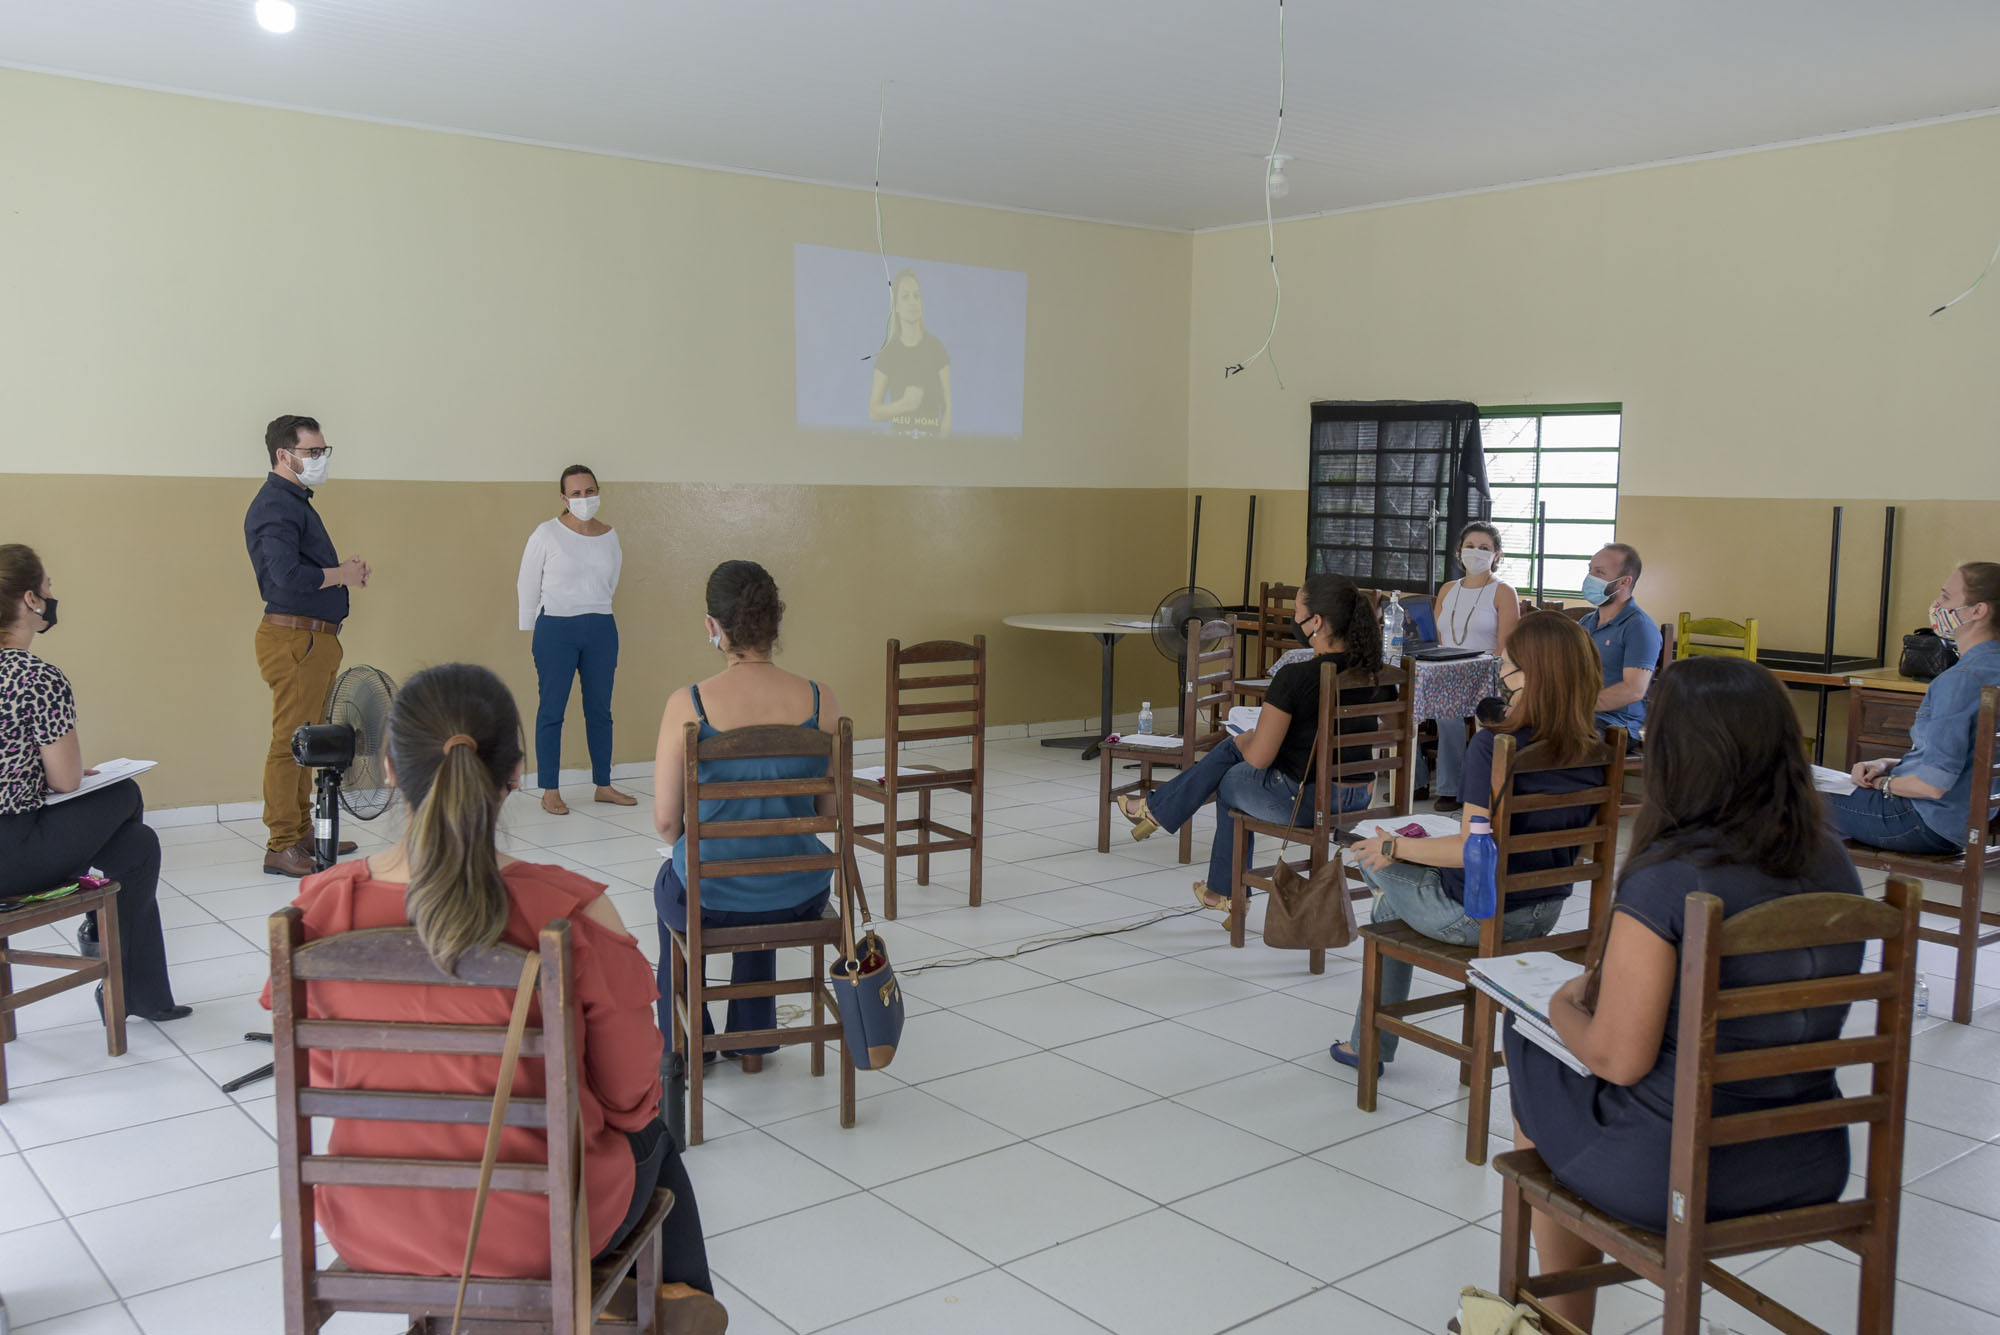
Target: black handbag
1925, 654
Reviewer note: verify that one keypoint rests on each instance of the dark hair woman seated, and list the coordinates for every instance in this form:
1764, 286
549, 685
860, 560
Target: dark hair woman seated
1729, 810
1262, 772
744, 612
1551, 675
454, 753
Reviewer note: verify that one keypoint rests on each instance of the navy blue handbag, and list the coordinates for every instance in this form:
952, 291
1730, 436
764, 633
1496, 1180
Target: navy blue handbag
864, 982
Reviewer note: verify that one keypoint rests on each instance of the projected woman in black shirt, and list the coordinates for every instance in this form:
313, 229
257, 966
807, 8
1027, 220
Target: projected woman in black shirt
912, 370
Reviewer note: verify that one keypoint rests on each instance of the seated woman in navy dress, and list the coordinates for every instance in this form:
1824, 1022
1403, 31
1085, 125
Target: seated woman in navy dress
751, 690
1730, 811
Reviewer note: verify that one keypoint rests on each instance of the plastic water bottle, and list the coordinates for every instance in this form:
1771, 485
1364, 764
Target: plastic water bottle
1145, 717
1394, 620
1482, 870
1923, 998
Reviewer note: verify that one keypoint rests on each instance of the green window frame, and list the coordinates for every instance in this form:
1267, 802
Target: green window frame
1529, 464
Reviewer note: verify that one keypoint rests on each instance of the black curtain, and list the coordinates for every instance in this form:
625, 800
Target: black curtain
1391, 484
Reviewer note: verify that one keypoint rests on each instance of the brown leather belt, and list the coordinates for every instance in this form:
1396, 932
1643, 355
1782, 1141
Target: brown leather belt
302, 623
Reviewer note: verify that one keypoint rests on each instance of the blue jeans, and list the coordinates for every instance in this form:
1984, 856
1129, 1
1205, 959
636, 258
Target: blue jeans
1236, 785
1406, 892
1878, 820
566, 648
745, 966
1452, 742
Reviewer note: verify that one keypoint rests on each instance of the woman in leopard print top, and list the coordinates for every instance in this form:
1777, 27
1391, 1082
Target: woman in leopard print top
42, 847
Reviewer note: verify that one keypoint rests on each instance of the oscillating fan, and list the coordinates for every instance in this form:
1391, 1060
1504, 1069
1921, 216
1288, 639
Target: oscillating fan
360, 700
1171, 617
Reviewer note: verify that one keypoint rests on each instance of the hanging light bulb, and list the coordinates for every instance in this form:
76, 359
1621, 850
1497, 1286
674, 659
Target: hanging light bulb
1280, 184
278, 16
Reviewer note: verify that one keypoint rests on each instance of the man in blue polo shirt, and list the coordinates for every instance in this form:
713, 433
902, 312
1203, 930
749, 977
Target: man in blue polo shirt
1628, 641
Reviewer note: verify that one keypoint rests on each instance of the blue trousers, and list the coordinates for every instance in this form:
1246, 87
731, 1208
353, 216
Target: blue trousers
1878, 820
1236, 785
566, 648
745, 966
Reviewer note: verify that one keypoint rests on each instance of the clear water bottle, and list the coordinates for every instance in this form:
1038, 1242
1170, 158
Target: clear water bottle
1922, 1006
1145, 717
1394, 621
1482, 870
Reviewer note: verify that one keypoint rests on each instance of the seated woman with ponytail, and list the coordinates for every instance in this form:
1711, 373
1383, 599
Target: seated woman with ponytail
1261, 772
454, 752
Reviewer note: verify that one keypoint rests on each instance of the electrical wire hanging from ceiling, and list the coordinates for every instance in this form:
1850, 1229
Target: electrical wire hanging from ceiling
881, 112
1991, 260
1270, 229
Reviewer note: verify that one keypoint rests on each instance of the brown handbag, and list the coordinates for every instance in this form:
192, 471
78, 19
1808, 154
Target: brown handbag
1308, 912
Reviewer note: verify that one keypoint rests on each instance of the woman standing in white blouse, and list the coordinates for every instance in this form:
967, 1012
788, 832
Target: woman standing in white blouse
568, 576
1476, 612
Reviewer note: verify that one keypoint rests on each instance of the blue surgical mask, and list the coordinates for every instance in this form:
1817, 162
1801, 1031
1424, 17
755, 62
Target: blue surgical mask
1597, 592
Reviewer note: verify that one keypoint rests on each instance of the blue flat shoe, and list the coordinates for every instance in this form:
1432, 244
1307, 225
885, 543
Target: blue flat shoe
1342, 1054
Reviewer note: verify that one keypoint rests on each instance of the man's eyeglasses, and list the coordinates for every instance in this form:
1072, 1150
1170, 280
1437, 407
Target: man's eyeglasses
316, 452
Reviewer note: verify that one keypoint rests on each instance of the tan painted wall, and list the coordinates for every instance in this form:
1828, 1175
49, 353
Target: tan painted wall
159, 606
1763, 319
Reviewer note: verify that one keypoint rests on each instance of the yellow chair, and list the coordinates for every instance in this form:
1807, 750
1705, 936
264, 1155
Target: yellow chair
1717, 636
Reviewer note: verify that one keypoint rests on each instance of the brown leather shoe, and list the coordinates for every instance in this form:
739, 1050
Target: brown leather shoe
294, 862
688, 1311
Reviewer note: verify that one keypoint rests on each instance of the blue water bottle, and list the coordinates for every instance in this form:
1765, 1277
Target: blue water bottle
1482, 870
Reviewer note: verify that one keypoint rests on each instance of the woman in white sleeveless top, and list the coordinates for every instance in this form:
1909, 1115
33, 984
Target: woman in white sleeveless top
1476, 612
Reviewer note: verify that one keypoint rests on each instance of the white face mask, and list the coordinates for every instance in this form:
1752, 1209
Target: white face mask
1476, 560
714, 636
584, 507
312, 472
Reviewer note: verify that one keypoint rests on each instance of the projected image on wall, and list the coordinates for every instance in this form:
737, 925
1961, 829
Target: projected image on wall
945, 358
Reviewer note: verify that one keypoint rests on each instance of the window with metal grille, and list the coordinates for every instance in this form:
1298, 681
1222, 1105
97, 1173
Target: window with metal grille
1563, 457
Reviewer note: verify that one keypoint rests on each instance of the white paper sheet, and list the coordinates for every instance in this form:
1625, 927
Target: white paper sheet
1436, 825
1525, 984
110, 772
1132, 624
1147, 739
1242, 719
1832, 781
877, 773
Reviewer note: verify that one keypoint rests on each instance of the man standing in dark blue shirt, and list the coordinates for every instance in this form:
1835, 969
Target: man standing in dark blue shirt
304, 585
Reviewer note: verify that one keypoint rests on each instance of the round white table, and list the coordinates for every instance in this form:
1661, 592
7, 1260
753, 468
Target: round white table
1107, 628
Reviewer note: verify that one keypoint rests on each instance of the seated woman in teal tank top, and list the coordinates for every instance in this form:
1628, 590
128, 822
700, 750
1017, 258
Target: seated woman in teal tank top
751, 690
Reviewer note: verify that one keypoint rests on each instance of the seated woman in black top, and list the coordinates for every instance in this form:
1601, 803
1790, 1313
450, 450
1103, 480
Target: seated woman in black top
1261, 772
1550, 672
42, 847
1730, 810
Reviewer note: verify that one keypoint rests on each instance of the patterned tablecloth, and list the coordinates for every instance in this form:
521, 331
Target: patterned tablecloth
1454, 689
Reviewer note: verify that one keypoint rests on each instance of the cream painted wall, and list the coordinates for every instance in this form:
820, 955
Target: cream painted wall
177, 271
1763, 319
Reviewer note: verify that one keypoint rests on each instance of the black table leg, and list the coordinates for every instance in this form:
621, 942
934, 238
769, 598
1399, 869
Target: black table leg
1090, 744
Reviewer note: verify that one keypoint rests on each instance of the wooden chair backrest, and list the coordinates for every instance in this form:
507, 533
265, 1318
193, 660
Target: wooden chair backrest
1791, 923
1595, 842
1392, 744
1208, 685
915, 677
1982, 818
765, 742
1697, 637
396, 955
1274, 623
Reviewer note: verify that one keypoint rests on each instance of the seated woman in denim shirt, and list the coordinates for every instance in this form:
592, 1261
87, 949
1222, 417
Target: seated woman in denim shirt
1262, 771
1918, 804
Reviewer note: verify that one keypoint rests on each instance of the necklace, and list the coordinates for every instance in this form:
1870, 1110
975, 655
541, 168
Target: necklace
1451, 613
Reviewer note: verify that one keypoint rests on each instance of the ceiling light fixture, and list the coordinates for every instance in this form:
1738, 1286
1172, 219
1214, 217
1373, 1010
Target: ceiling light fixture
279, 16
1281, 185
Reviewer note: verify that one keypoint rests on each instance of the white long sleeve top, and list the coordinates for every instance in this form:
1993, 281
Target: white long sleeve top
566, 574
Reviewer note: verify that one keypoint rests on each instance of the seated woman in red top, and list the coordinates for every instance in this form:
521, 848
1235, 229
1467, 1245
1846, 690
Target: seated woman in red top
454, 752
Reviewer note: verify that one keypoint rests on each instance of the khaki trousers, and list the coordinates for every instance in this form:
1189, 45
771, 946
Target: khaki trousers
299, 667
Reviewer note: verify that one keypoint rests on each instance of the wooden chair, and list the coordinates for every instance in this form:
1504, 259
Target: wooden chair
932, 836
1715, 637
1635, 758
1596, 846
1273, 637
80, 969
1391, 744
1206, 689
691, 949
621, 1288
1687, 1255
1966, 868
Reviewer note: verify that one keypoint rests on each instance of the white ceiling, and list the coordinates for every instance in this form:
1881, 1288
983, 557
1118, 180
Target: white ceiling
1152, 112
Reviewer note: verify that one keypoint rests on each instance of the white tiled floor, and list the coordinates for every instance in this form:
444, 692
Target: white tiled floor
1137, 1133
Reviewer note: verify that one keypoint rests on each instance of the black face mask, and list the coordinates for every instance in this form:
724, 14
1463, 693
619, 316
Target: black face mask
1299, 632
48, 614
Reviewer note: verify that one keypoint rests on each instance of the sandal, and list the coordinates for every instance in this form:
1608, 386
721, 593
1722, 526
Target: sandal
1208, 899
553, 804
1142, 820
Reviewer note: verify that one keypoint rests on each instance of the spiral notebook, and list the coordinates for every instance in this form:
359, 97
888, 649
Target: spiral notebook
1525, 984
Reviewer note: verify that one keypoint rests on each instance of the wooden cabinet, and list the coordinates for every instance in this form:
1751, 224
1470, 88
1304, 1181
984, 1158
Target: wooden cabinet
1881, 706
